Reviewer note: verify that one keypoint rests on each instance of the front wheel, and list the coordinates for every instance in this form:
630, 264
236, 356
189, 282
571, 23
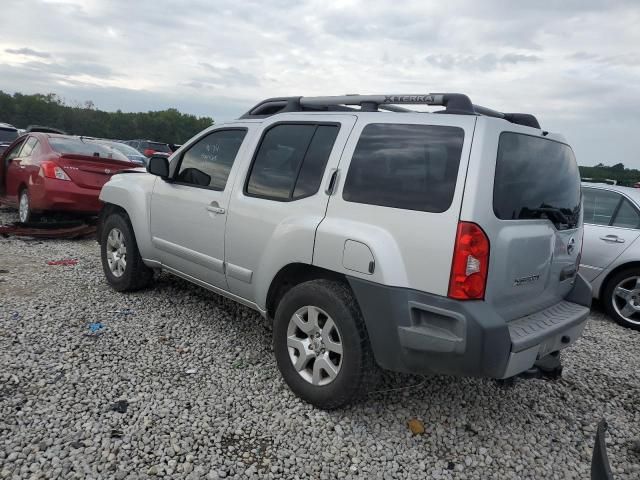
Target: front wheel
121, 261
321, 345
622, 298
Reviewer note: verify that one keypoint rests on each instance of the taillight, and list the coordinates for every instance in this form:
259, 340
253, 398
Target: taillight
470, 263
52, 170
148, 152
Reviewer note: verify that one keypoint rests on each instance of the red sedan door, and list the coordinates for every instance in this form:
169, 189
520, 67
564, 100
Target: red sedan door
14, 170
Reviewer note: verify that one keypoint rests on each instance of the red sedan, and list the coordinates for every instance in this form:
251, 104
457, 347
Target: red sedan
43, 172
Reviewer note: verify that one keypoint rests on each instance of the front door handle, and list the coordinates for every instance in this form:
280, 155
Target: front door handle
612, 239
214, 207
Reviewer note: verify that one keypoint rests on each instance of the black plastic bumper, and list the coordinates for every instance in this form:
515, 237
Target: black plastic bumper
417, 332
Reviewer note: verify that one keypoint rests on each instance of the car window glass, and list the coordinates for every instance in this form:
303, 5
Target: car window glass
315, 161
278, 161
523, 187
14, 152
208, 162
413, 167
29, 146
599, 206
627, 216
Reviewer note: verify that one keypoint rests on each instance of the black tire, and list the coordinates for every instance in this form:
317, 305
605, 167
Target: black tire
357, 369
135, 274
608, 297
26, 216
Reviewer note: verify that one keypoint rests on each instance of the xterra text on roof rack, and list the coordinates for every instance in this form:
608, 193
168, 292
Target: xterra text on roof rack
370, 234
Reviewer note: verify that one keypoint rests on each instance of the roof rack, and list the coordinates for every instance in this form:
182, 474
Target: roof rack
456, 103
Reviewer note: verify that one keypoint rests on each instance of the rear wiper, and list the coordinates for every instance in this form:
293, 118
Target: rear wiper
554, 214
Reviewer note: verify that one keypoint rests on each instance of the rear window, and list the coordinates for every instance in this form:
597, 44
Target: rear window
158, 147
536, 178
8, 136
413, 167
77, 146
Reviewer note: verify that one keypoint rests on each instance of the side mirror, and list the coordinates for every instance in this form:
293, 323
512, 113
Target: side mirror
158, 165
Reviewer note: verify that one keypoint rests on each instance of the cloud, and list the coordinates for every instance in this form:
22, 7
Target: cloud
573, 63
27, 52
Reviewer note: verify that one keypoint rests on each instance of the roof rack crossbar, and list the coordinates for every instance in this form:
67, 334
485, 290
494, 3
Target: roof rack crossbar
456, 103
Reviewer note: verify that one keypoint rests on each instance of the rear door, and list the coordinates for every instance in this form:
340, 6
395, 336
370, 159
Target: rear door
189, 212
611, 223
393, 216
277, 207
8, 182
17, 173
523, 189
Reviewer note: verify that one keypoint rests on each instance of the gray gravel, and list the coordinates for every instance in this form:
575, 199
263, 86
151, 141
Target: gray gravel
180, 383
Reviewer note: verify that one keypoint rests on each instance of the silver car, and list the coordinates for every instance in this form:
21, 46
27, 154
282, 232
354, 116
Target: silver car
611, 252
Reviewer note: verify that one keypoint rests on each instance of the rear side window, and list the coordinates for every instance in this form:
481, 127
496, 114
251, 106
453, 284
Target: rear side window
599, 206
413, 167
28, 148
290, 161
536, 178
626, 216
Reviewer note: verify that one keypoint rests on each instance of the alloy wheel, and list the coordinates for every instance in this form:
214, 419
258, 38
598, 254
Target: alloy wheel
23, 207
116, 252
626, 299
315, 345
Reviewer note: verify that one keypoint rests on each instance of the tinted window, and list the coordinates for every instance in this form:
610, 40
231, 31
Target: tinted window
208, 162
280, 158
536, 178
158, 147
627, 216
599, 206
315, 161
413, 167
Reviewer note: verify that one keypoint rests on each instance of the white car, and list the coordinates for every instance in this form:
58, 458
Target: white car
432, 243
611, 251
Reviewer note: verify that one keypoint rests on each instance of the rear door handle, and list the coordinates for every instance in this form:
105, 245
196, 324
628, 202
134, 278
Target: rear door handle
612, 239
214, 207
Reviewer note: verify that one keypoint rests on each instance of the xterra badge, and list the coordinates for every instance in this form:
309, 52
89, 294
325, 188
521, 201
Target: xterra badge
525, 280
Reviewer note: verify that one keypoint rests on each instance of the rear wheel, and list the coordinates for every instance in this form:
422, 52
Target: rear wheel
121, 261
321, 344
622, 298
25, 213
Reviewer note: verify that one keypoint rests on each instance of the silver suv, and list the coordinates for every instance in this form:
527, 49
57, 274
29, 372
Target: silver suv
371, 234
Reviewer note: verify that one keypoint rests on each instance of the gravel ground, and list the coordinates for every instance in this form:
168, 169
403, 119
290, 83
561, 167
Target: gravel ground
180, 383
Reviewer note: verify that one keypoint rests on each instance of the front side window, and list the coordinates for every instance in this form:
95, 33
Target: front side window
208, 162
599, 206
536, 178
290, 161
412, 167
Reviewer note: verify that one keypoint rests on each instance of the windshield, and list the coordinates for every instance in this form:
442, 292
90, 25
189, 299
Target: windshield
78, 146
536, 178
8, 136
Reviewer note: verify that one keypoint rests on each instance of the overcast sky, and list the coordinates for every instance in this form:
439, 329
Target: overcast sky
573, 63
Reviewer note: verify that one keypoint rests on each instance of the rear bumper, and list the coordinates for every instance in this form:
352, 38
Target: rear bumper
416, 332
64, 196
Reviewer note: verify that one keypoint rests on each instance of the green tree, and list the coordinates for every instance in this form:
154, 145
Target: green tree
168, 126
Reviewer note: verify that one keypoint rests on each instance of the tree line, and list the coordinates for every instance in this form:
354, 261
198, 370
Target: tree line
168, 126
618, 172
